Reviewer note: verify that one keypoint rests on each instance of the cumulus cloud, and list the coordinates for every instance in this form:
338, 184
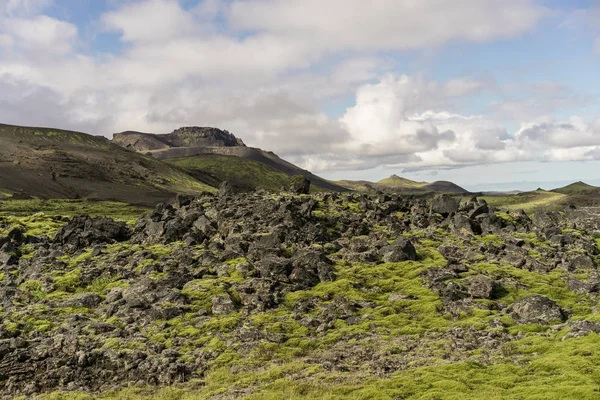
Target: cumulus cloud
263, 69
41, 33
150, 21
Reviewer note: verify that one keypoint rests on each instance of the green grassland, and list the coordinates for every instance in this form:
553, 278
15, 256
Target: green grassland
39, 217
527, 201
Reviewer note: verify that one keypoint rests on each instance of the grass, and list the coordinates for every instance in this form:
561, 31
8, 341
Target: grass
527, 201
41, 217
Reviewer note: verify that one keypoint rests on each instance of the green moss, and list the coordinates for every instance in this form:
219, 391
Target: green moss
34, 288
69, 281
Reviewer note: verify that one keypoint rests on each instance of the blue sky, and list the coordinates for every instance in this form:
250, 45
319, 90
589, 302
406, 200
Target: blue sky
490, 94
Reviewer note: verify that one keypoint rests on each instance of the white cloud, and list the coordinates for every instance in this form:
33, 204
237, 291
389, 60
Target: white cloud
597, 45
41, 33
23, 7
150, 21
387, 24
266, 80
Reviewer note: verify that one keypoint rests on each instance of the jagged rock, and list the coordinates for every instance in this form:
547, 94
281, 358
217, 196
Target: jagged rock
88, 300
8, 258
545, 219
222, 304
401, 250
84, 231
481, 287
581, 328
444, 204
141, 294
225, 189
536, 309
311, 267
453, 254
463, 225
258, 294
300, 185
275, 268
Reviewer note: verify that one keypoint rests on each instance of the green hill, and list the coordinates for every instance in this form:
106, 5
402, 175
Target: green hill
54, 163
395, 183
577, 188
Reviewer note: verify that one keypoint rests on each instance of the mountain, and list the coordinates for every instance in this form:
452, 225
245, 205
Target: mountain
213, 156
577, 188
54, 163
395, 183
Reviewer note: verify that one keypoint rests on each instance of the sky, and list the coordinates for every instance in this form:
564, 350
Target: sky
490, 94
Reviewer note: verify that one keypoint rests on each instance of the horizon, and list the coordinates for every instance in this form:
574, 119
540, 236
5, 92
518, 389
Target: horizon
502, 97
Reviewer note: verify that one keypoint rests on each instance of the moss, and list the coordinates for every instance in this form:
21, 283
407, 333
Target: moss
34, 288
69, 281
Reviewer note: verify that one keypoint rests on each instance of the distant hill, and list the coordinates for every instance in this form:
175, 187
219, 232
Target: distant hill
54, 163
212, 156
396, 183
577, 188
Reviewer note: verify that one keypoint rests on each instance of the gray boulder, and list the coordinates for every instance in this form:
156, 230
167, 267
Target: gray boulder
481, 287
300, 185
536, 309
444, 204
401, 250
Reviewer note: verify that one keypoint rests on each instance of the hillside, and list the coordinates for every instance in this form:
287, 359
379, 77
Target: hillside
241, 172
577, 188
53, 163
329, 296
213, 156
395, 183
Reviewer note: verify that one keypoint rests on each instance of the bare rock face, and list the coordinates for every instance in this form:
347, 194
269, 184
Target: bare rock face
192, 136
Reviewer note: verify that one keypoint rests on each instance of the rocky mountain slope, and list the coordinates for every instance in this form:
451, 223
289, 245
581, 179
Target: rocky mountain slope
52, 163
269, 296
214, 156
395, 183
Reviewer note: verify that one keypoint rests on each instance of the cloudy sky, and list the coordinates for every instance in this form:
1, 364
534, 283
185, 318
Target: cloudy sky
491, 94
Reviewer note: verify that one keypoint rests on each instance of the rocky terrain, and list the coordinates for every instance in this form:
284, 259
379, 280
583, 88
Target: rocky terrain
287, 295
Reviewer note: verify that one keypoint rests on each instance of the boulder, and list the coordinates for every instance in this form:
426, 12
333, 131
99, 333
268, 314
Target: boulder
536, 309
481, 287
226, 189
401, 250
84, 231
300, 185
444, 204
